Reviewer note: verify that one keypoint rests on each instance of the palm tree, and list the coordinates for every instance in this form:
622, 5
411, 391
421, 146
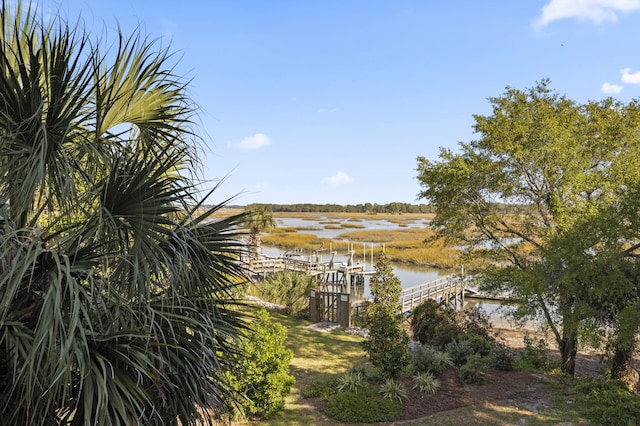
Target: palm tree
258, 220
117, 303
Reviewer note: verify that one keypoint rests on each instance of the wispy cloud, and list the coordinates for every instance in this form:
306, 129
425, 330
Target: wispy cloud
339, 178
596, 11
611, 89
250, 143
328, 110
630, 77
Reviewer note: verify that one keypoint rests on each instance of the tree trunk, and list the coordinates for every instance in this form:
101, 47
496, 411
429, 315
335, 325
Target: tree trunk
568, 350
621, 364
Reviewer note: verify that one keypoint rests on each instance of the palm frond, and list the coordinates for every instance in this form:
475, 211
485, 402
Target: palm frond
118, 303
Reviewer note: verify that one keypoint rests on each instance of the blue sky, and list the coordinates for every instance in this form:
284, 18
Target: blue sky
332, 101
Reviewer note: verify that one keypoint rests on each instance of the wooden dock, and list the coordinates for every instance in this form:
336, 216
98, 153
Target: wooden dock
449, 289
328, 274
341, 277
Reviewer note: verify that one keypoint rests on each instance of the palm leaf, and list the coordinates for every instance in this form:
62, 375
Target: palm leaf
118, 304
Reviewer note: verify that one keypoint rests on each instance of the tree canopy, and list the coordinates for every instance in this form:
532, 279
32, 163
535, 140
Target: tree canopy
565, 165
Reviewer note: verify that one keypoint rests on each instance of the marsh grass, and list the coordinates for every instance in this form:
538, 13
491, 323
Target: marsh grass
403, 245
407, 245
295, 240
285, 230
352, 225
404, 235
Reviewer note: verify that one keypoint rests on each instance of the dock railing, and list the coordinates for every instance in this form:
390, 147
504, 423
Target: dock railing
449, 288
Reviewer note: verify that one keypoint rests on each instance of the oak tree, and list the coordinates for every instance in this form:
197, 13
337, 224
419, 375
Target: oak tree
542, 164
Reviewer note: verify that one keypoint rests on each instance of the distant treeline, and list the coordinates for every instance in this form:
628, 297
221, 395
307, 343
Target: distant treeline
349, 208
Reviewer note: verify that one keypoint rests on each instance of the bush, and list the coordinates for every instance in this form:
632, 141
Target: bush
501, 358
261, 371
392, 389
387, 344
535, 353
480, 344
288, 288
476, 321
434, 324
351, 381
426, 383
321, 388
424, 359
607, 402
474, 370
460, 351
366, 406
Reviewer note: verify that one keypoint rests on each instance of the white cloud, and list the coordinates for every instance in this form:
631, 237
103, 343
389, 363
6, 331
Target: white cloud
328, 110
339, 179
596, 11
629, 77
611, 89
257, 141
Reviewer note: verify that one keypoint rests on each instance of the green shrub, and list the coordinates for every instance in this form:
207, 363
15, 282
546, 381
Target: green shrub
321, 388
476, 321
434, 324
261, 371
425, 359
366, 406
474, 370
351, 381
501, 358
607, 402
459, 351
426, 383
288, 288
393, 389
480, 344
535, 353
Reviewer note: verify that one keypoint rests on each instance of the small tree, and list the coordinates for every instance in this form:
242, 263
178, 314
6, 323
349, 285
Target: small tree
258, 220
387, 342
261, 372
